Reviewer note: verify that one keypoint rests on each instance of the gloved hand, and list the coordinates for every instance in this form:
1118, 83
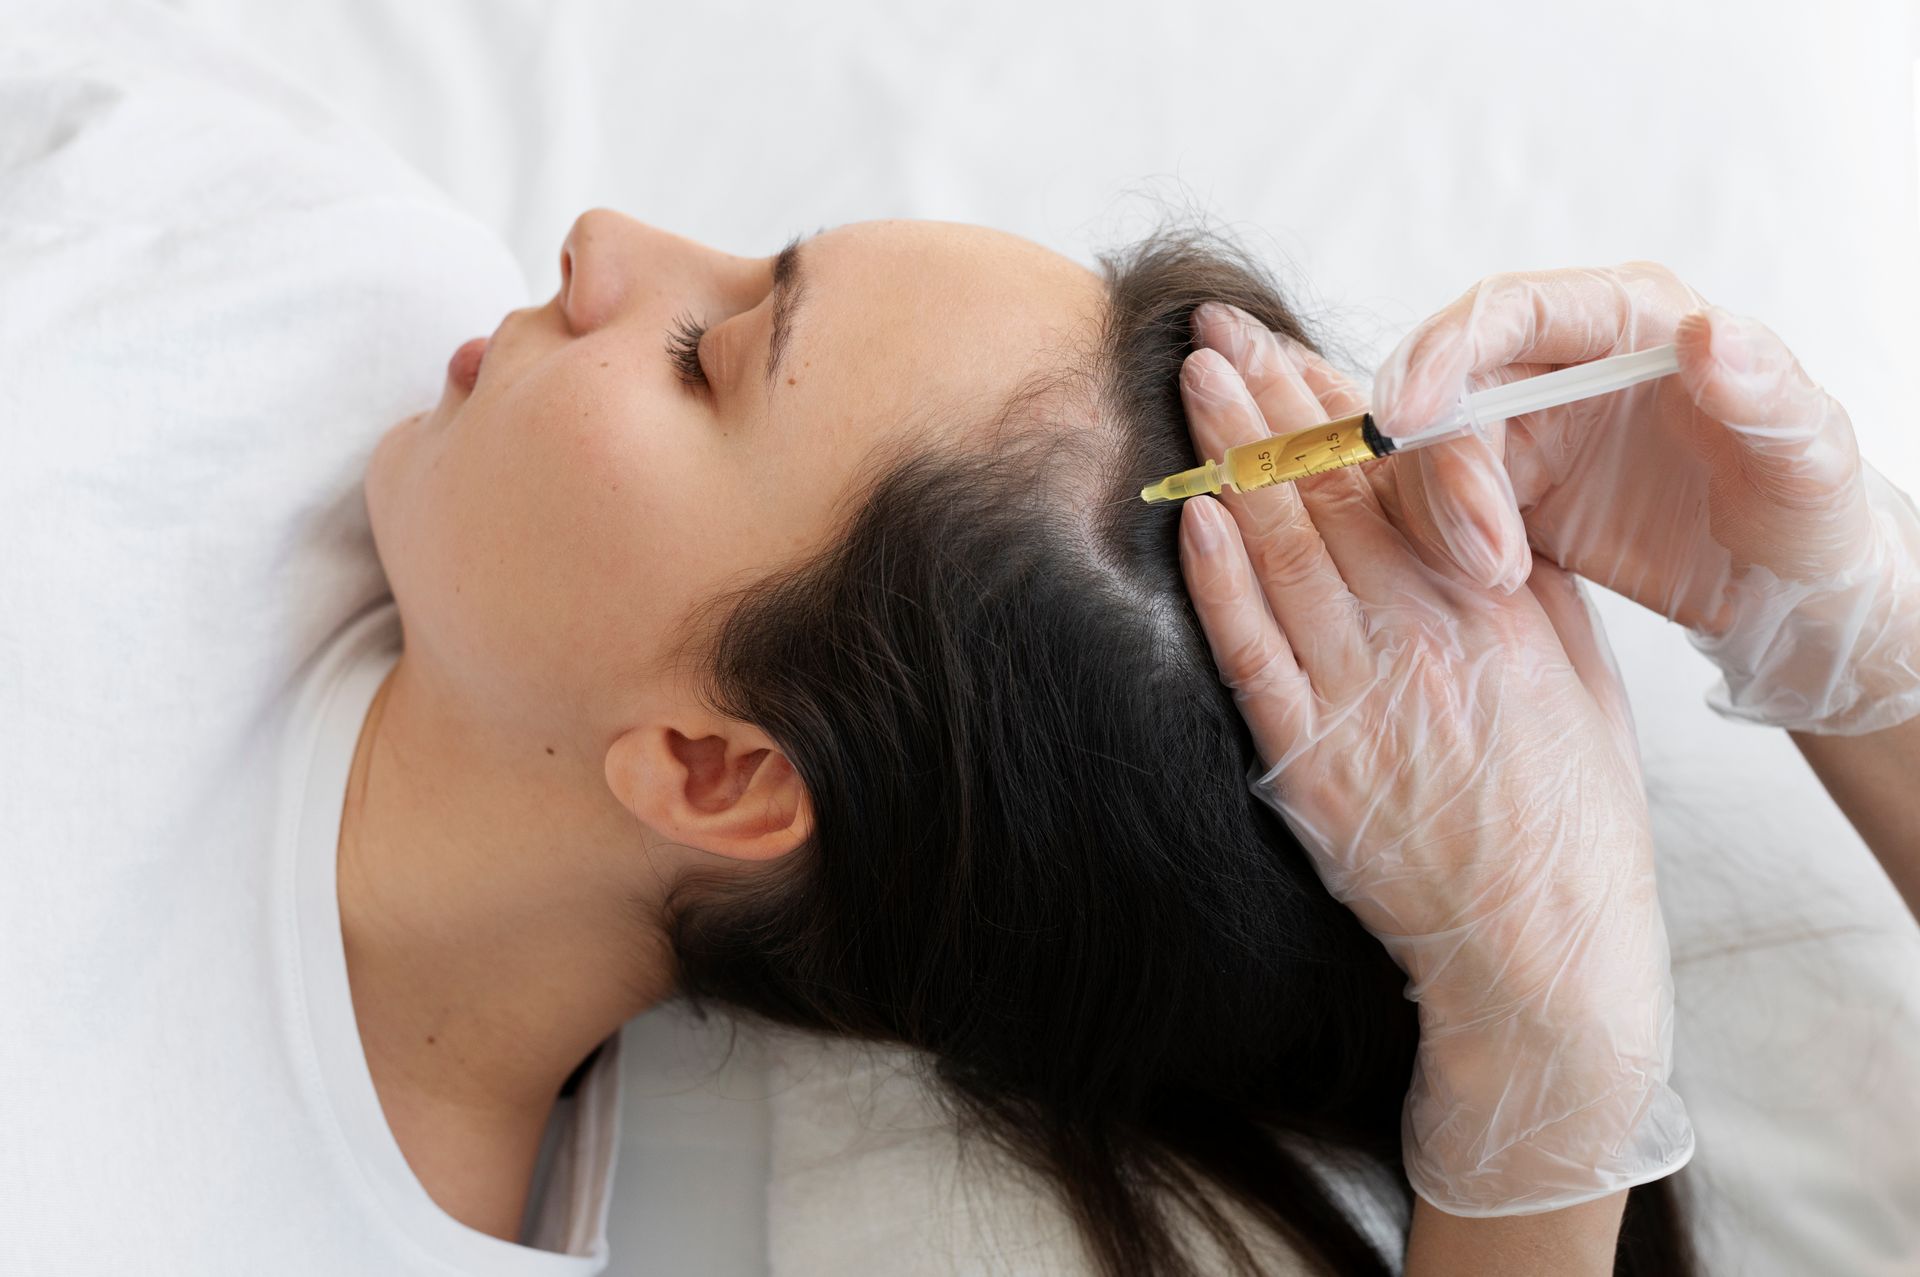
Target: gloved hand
1731, 498
1460, 765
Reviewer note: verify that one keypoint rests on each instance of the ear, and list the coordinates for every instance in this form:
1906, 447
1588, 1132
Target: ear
713, 783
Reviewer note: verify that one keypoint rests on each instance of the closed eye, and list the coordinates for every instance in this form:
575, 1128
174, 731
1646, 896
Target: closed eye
683, 350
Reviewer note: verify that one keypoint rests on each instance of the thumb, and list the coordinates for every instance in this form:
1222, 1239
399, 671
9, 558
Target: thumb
1462, 503
1793, 438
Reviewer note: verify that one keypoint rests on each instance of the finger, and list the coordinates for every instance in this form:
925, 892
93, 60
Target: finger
1553, 317
1269, 359
1254, 348
1304, 589
1466, 506
1271, 373
1340, 397
1337, 394
1372, 557
1275, 365
1471, 520
1581, 633
1795, 441
1272, 363
1369, 556
1461, 503
1249, 648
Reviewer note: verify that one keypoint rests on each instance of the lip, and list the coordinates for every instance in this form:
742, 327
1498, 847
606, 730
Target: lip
463, 370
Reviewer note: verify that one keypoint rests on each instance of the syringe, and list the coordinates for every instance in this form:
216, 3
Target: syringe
1351, 440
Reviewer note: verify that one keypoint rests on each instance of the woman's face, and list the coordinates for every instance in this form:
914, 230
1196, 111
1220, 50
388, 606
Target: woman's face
547, 532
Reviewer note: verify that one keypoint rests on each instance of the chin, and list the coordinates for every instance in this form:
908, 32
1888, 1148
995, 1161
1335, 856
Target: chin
375, 486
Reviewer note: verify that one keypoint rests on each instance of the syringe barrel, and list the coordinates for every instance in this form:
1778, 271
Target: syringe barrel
1574, 382
1474, 412
1461, 420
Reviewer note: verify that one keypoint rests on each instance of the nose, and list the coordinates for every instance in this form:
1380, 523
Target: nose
609, 260
588, 244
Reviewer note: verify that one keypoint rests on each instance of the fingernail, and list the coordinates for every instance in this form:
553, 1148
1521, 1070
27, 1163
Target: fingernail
1239, 337
1216, 327
1470, 544
1283, 349
1734, 342
1516, 575
1202, 530
1207, 374
1472, 506
1259, 349
1207, 315
1470, 549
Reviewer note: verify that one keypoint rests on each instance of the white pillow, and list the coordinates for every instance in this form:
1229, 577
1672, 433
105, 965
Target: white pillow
869, 1176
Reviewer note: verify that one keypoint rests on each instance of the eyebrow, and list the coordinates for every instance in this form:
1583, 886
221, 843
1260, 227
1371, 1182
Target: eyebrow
789, 290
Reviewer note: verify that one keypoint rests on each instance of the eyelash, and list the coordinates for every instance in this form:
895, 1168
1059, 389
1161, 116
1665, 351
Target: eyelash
683, 350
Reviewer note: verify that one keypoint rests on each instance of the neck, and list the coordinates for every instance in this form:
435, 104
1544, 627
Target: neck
495, 906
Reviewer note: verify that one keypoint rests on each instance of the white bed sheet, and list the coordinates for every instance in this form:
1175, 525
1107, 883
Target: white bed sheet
1386, 155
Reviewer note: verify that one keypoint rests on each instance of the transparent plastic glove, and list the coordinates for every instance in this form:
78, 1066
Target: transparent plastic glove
1460, 765
1731, 498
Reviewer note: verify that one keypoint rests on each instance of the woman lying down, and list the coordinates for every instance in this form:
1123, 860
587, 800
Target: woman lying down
916, 736
786, 634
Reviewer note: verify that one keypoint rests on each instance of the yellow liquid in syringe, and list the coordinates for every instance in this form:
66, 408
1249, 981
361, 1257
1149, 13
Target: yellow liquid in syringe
1279, 459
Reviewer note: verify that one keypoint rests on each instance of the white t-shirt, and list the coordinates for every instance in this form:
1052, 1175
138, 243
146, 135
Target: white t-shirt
215, 296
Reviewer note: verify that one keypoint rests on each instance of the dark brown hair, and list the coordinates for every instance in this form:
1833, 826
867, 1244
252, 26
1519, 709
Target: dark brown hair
1035, 855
